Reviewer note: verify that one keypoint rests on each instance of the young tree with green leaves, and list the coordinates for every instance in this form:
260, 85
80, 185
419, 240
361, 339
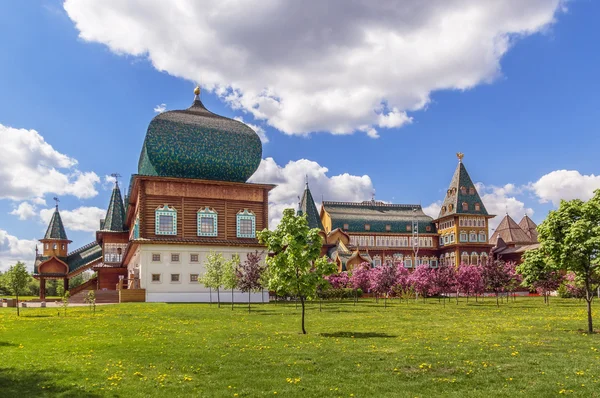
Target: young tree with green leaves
213, 276
570, 236
539, 272
296, 265
16, 279
230, 280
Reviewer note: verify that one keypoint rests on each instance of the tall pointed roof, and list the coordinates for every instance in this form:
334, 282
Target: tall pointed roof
115, 215
56, 229
308, 207
510, 232
529, 227
462, 190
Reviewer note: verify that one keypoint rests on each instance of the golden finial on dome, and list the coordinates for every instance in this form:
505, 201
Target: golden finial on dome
197, 90
460, 156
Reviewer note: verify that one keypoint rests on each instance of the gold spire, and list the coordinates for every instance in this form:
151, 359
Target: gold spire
197, 91
460, 156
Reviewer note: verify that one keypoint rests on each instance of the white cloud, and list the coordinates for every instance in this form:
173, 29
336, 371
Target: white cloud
502, 200
13, 249
80, 219
433, 210
160, 108
25, 211
565, 184
291, 178
30, 168
259, 130
315, 66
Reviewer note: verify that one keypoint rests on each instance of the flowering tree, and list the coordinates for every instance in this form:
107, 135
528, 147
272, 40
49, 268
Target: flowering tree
230, 279
539, 272
248, 274
443, 280
296, 265
515, 278
383, 279
573, 286
403, 287
468, 280
361, 279
422, 281
495, 276
339, 281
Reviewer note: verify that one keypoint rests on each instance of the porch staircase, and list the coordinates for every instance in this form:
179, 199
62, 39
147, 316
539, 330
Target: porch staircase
102, 297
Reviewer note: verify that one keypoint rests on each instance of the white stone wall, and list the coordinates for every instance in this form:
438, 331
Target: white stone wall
184, 291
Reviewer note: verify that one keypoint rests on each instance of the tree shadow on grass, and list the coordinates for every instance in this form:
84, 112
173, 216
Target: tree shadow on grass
37, 316
6, 344
358, 335
36, 383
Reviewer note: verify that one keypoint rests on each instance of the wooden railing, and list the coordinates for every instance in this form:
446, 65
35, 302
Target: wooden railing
89, 285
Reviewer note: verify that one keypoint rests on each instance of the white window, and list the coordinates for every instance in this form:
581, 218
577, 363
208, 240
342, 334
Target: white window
376, 261
156, 278
166, 220
175, 278
473, 236
174, 257
463, 237
452, 238
246, 224
193, 258
155, 257
433, 263
482, 236
207, 222
408, 262
194, 278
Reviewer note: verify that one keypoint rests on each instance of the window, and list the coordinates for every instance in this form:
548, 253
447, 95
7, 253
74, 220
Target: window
113, 252
46, 246
441, 241
418, 261
471, 191
450, 207
465, 206
443, 209
388, 227
482, 236
55, 246
433, 263
136, 229
207, 222
446, 239
464, 258
166, 220
346, 227
62, 247
408, 262
155, 278
428, 228
484, 257
193, 277
463, 237
193, 258
473, 236
474, 258
246, 224
155, 257
174, 278
376, 261
367, 227
463, 190
174, 257
452, 238
408, 228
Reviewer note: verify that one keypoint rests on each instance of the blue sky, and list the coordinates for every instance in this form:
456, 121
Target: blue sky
537, 115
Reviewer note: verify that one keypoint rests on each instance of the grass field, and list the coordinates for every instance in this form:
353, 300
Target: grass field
407, 350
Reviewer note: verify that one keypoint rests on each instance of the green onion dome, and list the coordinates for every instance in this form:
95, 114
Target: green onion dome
196, 143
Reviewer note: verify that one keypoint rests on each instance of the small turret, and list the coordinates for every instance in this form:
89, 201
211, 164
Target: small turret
56, 243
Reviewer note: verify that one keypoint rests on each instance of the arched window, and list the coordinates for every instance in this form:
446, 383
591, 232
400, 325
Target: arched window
473, 236
481, 236
484, 258
474, 258
443, 209
465, 206
207, 222
46, 246
55, 246
452, 259
463, 190
246, 224
388, 260
450, 207
464, 258
62, 246
166, 220
471, 191
477, 207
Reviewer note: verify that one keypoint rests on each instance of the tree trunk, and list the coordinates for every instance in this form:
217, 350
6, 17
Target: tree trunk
218, 299
355, 296
17, 294
262, 295
320, 304
231, 299
589, 314
296, 300
302, 300
457, 297
385, 301
248, 301
210, 294
497, 303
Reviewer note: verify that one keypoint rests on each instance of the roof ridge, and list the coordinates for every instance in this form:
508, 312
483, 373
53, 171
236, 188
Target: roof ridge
82, 248
371, 203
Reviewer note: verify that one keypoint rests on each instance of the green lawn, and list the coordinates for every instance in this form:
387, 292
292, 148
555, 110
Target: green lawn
413, 350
